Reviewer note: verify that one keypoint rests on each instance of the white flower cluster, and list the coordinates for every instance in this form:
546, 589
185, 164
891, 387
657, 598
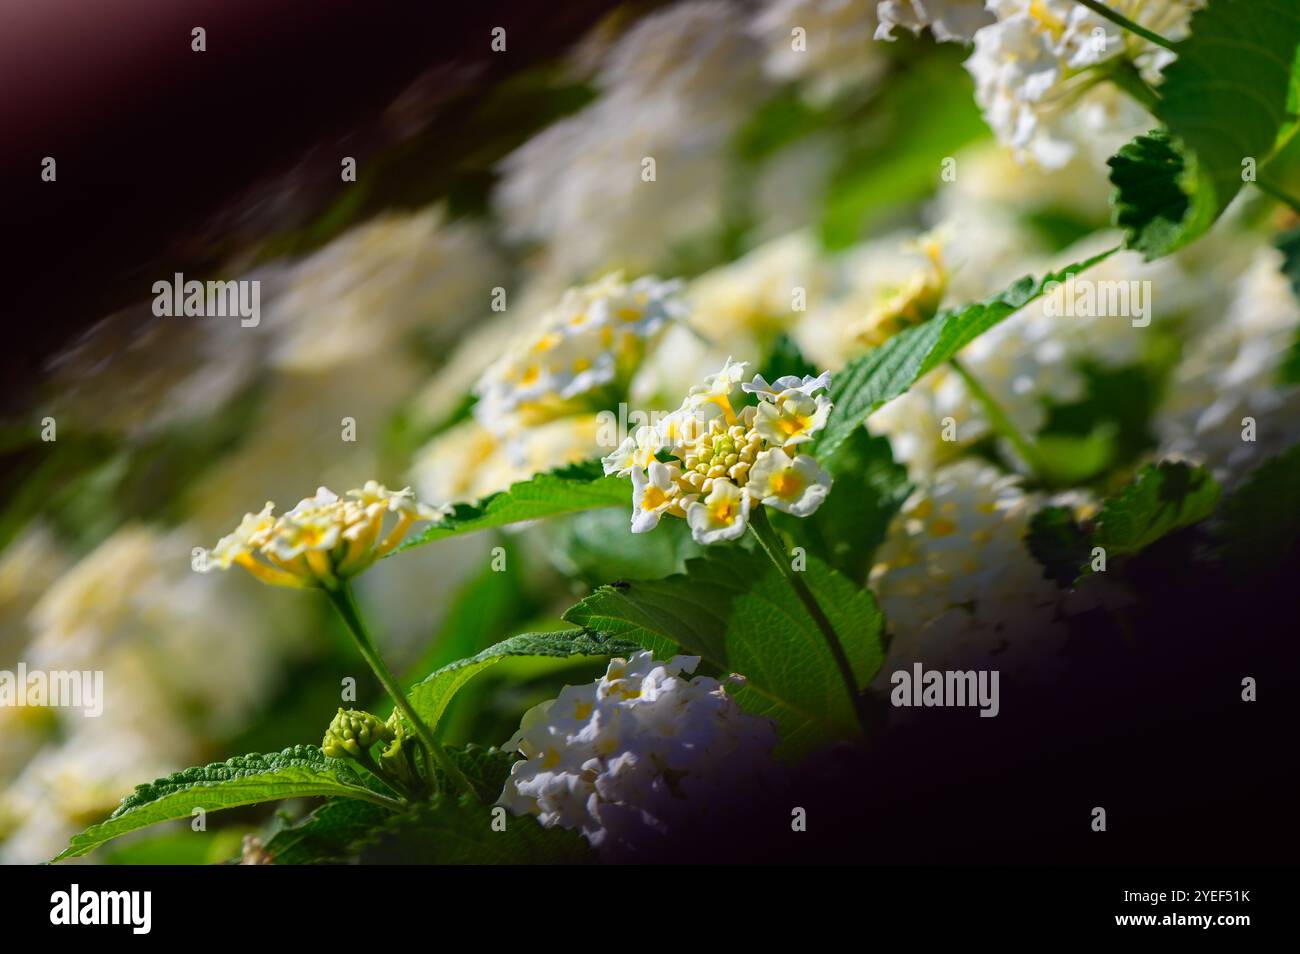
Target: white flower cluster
955, 579
594, 338
1037, 68
639, 751
1227, 385
324, 539
723, 461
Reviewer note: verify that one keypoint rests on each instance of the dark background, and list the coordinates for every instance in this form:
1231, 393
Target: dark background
166, 155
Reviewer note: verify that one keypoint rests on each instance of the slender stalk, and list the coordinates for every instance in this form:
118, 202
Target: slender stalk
341, 597
771, 544
395, 784
1126, 76
383, 801
1274, 192
1120, 20
1001, 423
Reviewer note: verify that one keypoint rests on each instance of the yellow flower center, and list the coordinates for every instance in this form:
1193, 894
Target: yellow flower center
653, 497
787, 484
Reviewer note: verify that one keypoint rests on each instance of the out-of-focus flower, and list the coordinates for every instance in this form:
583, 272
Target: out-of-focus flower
1036, 70
717, 451
357, 296
639, 752
955, 579
29, 566
674, 89
823, 44
949, 20
881, 287
587, 345
323, 540
736, 309
1226, 407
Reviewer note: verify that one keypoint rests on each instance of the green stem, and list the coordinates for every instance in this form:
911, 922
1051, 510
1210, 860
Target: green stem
383, 801
771, 544
1120, 20
341, 597
1126, 76
1273, 191
1001, 423
395, 784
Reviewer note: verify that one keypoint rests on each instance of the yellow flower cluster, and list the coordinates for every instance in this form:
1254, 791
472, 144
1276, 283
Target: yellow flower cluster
709, 463
322, 541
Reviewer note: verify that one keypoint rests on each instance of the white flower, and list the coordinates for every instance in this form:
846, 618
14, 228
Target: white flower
796, 485
792, 418
806, 385
640, 751
948, 20
722, 515
654, 493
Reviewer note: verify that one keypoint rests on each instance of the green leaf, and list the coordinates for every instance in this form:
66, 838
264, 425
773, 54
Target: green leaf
449, 831
868, 489
567, 490
298, 772
885, 372
1058, 543
737, 612
1161, 499
1227, 97
332, 833
340, 828
1149, 200
598, 547
1261, 520
486, 769
431, 697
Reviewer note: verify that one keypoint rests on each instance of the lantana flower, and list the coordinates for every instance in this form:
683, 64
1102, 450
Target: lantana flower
711, 462
644, 748
592, 340
324, 539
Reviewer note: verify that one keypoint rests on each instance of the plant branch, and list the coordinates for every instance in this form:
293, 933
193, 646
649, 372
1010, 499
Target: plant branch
1120, 20
341, 598
771, 544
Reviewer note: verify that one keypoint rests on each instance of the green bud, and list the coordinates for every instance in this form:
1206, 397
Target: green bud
352, 733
